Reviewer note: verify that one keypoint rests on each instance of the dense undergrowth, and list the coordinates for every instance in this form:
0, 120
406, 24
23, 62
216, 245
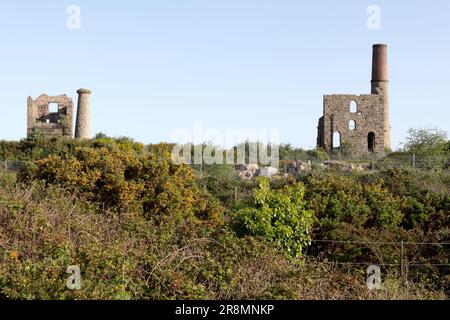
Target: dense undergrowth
141, 227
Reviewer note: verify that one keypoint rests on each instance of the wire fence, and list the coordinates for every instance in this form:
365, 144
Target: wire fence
375, 162
11, 165
407, 257
385, 242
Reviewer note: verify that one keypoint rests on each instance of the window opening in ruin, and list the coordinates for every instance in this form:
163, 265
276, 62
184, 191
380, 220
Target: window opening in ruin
352, 125
336, 140
53, 108
353, 107
371, 142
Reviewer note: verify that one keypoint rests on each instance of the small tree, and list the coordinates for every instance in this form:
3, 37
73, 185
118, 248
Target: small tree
430, 145
426, 141
280, 217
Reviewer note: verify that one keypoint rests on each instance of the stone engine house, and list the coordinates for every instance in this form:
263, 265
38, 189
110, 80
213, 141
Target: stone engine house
58, 121
361, 122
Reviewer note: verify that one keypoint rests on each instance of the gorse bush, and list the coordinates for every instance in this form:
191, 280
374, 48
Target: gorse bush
119, 176
141, 227
44, 231
425, 196
339, 199
374, 211
126, 256
221, 181
121, 256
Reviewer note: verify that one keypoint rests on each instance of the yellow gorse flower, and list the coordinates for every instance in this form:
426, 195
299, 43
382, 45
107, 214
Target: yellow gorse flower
14, 255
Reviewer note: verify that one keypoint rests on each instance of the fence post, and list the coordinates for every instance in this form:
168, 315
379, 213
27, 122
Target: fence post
201, 170
235, 194
401, 260
404, 272
414, 160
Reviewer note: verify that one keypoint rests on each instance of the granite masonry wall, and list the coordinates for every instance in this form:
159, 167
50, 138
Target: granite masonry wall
362, 131
40, 118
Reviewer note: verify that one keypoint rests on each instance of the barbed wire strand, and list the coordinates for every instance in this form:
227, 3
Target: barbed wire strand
384, 264
387, 243
382, 242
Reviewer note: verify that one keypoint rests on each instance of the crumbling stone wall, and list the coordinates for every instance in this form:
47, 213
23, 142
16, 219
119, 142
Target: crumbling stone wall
40, 118
365, 134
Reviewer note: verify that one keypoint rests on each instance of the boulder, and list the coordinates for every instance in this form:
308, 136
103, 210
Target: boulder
298, 166
267, 172
240, 167
247, 171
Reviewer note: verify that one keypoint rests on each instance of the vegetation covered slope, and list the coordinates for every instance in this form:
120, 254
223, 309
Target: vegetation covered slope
141, 227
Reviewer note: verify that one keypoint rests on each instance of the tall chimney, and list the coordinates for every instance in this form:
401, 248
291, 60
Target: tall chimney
83, 123
380, 85
379, 64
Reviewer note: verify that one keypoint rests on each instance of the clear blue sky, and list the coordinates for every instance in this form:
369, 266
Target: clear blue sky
158, 66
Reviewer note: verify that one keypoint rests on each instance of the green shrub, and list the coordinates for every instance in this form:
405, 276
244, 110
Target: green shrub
338, 199
141, 227
279, 217
318, 154
118, 176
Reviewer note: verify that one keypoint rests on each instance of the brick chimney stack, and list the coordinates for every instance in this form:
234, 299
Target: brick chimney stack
380, 85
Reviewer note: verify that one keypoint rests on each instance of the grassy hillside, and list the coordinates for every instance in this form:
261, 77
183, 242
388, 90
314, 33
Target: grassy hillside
141, 227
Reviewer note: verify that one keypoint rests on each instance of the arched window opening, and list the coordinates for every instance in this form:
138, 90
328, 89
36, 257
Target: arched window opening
371, 142
336, 140
353, 106
352, 125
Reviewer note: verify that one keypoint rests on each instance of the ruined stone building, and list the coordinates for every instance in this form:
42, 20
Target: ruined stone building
360, 122
53, 115
56, 121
